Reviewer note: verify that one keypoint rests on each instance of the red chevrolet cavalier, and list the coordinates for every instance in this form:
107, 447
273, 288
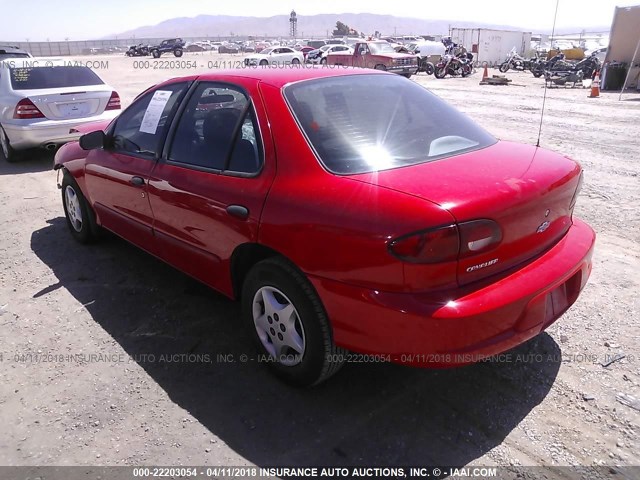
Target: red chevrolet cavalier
346, 209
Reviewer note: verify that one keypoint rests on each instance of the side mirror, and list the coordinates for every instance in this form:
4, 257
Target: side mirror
93, 140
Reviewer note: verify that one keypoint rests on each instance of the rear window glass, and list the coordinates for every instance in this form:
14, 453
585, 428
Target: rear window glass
33, 78
367, 123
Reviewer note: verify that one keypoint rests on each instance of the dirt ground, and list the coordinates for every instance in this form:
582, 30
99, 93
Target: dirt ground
141, 400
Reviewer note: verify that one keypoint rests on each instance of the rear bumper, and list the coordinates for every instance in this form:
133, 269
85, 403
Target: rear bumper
465, 325
38, 132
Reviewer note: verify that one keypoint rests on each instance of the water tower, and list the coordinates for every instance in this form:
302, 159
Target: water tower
293, 24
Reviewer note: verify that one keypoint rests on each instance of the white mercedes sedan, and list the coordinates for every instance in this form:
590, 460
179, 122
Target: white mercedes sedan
275, 56
41, 99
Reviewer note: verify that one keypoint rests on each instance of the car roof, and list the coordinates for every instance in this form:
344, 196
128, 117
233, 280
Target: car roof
279, 77
12, 49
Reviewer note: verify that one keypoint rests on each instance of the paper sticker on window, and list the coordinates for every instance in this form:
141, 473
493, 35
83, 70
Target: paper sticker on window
154, 111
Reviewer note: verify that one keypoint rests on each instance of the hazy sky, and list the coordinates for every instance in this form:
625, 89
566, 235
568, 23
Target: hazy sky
84, 19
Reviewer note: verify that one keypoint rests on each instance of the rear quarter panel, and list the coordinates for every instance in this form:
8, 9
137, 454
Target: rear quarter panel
334, 227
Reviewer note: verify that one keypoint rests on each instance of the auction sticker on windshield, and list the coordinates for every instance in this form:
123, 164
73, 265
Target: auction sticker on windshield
154, 111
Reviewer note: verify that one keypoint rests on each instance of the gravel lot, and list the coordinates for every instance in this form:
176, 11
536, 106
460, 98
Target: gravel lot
552, 402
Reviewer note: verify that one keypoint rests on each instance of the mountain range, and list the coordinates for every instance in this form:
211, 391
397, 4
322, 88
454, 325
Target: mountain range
308, 26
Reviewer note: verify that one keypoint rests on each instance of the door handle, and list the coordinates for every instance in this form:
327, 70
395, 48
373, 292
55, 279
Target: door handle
238, 211
137, 181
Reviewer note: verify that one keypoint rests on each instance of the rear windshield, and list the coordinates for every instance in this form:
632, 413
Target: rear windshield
381, 48
367, 123
33, 78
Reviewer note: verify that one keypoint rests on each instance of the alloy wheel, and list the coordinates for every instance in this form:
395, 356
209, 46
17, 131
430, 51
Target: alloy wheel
73, 208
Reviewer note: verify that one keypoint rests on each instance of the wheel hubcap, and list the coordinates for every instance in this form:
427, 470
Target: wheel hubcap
278, 326
74, 213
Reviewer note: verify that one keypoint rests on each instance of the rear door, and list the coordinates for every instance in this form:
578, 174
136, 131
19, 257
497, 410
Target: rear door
208, 191
117, 176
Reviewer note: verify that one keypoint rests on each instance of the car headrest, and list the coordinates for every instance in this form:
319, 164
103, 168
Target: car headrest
219, 125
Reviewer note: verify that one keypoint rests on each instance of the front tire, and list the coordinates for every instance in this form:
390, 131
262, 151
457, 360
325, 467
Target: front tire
428, 67
504, 67
295, 61
288, 323
80, 217
440, 72
177, 52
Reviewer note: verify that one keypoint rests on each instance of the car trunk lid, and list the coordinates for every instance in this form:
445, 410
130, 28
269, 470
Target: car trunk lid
69, 102
526, 190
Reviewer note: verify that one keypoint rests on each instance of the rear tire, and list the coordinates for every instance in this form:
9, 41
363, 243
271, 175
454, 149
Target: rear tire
80, 217
288, 324
7, 150
155, 53
264, 63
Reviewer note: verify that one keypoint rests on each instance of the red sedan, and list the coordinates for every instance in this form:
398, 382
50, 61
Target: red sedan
348, 210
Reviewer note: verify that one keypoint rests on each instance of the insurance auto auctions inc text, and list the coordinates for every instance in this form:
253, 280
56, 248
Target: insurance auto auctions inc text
378, 472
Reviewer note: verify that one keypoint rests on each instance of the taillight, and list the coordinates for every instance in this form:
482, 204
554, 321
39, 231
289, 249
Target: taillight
448, 243
26, 109
114, 102
478, 236
428, 246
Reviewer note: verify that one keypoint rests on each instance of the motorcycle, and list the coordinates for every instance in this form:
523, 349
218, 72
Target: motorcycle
454, 65
588, 66
137, 51
517, 62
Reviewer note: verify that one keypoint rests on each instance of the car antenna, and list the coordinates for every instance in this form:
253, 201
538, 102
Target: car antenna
544, 99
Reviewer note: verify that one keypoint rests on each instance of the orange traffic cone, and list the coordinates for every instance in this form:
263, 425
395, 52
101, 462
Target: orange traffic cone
485, 75
595, 86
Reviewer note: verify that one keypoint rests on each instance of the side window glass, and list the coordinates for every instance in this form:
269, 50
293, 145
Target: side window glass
218, 131
142, 126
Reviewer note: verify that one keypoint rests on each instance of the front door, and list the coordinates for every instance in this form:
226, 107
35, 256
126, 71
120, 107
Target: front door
117, 176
